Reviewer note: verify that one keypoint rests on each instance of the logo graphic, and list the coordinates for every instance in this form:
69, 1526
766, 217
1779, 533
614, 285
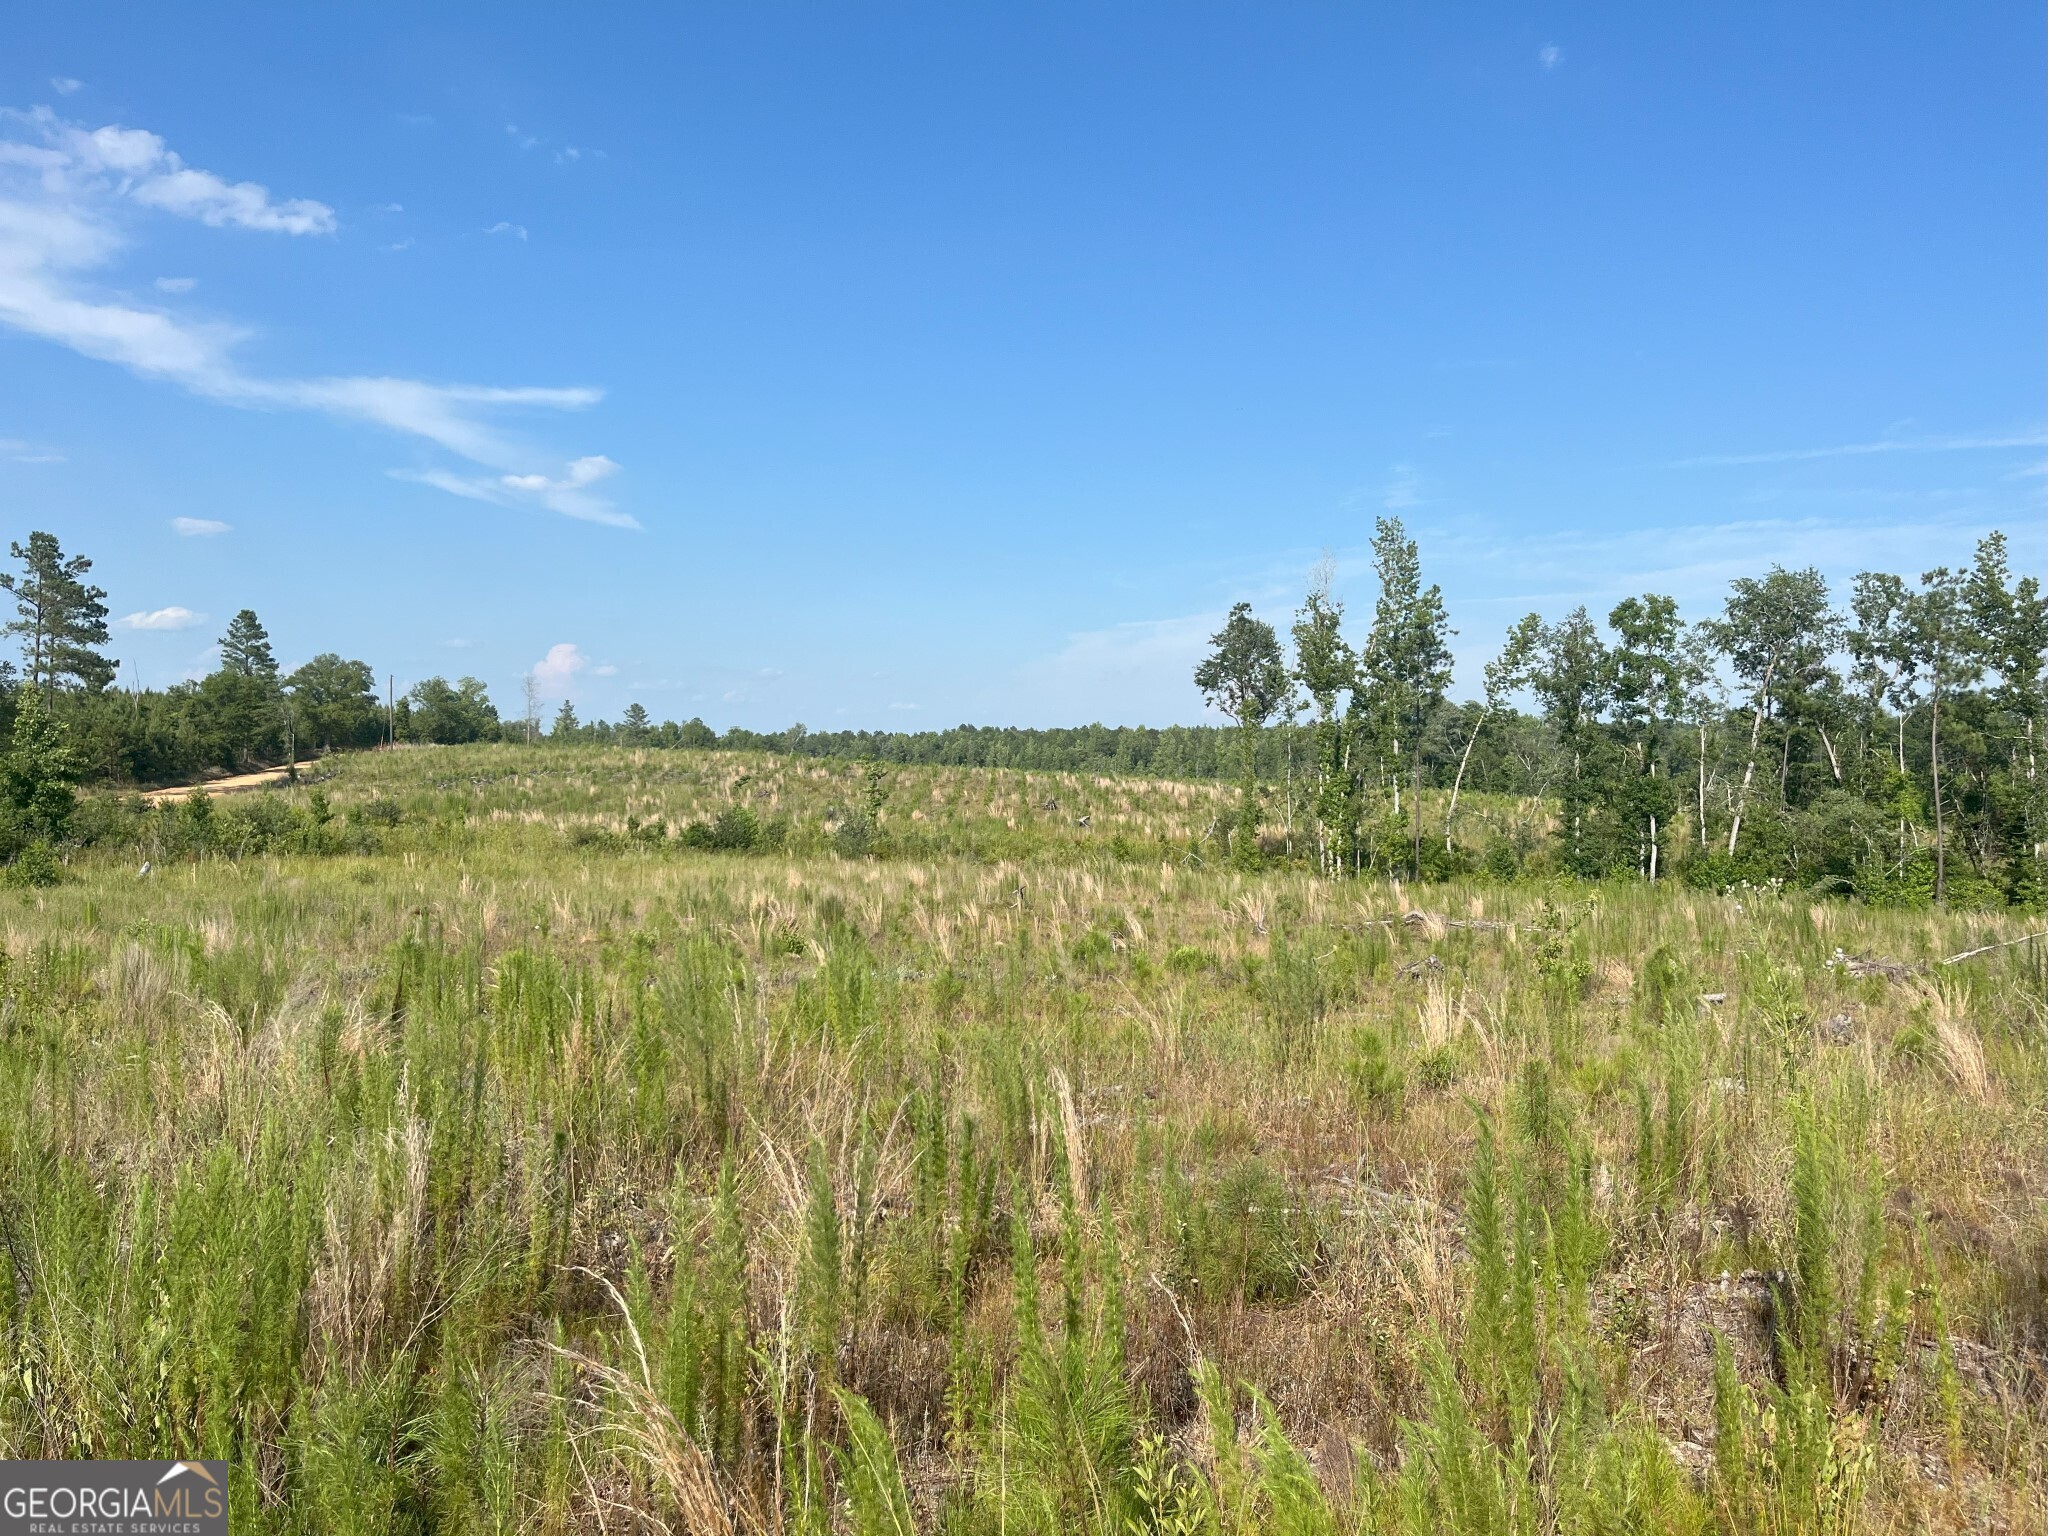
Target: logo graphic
113, 1498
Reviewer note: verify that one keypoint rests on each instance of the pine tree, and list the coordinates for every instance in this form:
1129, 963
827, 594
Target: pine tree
244, 702
245, 648
567, 727
61, 620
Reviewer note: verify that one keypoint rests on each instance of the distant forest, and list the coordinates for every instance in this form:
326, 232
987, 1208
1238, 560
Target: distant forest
1886, 747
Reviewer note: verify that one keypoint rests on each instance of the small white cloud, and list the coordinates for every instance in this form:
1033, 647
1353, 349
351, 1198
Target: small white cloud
199, 527
176, 284
505, 227
398, 245
903, 706
28, 453
459, 645
523, 140
163, 618
1550, 55
554, 671
567, 153
607, 670
64, 85
388, 208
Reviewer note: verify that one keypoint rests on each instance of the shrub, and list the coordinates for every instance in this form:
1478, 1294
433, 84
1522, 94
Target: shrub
35, 866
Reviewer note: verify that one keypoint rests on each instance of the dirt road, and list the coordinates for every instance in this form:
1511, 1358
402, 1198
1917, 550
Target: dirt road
227, 786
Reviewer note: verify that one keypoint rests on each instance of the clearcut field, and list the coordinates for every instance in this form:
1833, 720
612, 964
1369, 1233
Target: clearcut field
896, 1151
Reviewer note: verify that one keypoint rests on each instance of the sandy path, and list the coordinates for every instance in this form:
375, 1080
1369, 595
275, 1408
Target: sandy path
226, 786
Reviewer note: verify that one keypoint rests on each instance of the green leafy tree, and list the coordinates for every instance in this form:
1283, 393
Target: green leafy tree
1405, 664
36, 778
1572, 677
452, 714
1503, 675
1245, 678
336, 702
1885, 671
61, 621
1647, 692
1946, 651
2009, 620
1881, 648
1776, 632
635, 727
1326, 667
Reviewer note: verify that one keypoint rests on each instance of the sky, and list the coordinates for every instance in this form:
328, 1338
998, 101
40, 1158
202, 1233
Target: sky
894, 366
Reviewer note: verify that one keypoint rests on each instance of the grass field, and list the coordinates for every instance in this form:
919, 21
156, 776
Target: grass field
981, 1168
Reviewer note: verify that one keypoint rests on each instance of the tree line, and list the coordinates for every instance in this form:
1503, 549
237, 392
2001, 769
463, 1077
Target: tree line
1888, 748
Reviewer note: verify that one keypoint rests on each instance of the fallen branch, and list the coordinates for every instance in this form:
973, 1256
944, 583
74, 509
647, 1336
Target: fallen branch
1971, 954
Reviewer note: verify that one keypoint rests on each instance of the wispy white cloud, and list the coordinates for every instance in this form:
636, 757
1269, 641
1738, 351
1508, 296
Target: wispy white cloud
28, 453
163, 618
567, 493
200, 527
64, 85
1550, 55
506, 227
176, 284
67, 201
607, 670
1962, 443
523, 140
398, 245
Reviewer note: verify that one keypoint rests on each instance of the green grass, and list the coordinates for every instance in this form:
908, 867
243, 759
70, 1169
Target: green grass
507, 1165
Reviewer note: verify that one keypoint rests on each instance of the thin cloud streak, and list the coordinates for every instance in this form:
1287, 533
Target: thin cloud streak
1965, 444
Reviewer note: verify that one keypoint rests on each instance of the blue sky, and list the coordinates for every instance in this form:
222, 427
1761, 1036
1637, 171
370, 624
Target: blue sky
901, 365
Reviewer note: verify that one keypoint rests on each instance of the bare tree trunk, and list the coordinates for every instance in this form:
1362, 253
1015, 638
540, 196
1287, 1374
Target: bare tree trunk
1756, 729
1459, 782
1415, 794
1703, 785
1653, 850
1833, 761
1940, 837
